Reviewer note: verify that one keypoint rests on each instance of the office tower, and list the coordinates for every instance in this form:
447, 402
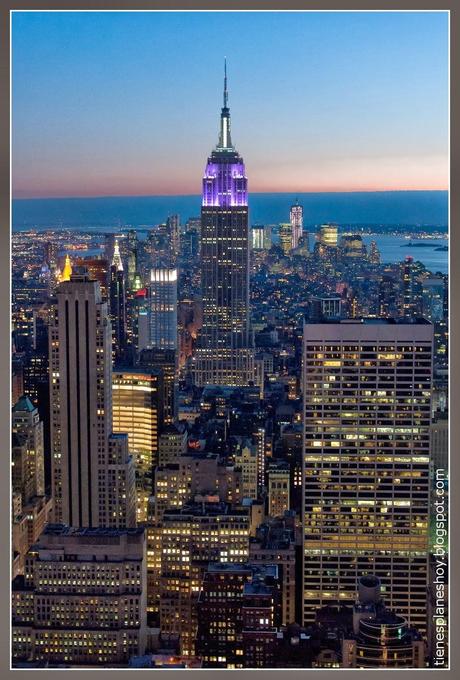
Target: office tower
275, 543
172, 443
26, 422
433, 299
224, 354
296, 220
410, 289
389, 306
258, 232
117, 306
278, 489
173, 226
367, 407
51, 251
220, 630
82, 601
92, 472
268, 229
163, 308
31, 508
379, 638
98, 269
17, 378
137, 408
236, 603
352, 247
286, 237
164, 360
132, 258
374, 253
327, 235
192, 537
246, 457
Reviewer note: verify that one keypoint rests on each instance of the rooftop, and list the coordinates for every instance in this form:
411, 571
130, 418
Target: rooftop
24, 404
64, 530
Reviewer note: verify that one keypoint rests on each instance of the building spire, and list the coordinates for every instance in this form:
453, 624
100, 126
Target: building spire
225, 141
67, 271
116, 260
225, 83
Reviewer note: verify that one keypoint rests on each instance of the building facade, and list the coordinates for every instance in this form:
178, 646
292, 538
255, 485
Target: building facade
163, 308
367, 405
224, 354
93, 482
82, 600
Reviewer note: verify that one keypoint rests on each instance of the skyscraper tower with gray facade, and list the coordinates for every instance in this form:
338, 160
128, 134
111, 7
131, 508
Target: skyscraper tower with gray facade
224, 355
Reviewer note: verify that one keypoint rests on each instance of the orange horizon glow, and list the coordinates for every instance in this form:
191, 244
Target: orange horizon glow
142, 193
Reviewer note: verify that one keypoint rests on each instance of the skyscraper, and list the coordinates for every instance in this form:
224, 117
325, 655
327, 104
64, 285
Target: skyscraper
26, 422
296, 219
163, 308
137, 409
327, 235
367, 408
258, 231
92, 472
117, 305
224, 355
286, 237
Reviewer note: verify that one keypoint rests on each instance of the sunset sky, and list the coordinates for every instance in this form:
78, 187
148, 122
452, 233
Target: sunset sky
128, 103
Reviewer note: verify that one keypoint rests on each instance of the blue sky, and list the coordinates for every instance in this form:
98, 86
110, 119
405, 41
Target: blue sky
108, 103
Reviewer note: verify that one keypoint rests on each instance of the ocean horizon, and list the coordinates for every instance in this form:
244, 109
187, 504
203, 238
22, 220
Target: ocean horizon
411, 208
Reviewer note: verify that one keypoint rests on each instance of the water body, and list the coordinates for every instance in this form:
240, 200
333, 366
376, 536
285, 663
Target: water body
418, 208
396, 248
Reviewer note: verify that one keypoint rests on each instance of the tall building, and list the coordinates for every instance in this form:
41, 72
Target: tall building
31, 509
367, 407
82, 599
137, 409
433, 299
389, 306
224, 354
26, 422
117, 305
327, 235
237, 604
132, 257
164, 360
98, 269
163, 308
92, 471
192, 537
278, 488
286, 237
258, 232
296, 219
173, 226
410, 289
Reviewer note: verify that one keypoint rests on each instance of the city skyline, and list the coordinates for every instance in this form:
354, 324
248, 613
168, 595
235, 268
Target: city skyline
353, 118
229, 438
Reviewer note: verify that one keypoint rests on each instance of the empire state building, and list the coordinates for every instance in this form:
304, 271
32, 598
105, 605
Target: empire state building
224, 355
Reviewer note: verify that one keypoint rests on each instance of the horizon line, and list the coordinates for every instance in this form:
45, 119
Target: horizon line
198, 195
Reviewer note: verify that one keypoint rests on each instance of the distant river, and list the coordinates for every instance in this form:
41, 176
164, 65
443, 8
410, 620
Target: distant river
396, 248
